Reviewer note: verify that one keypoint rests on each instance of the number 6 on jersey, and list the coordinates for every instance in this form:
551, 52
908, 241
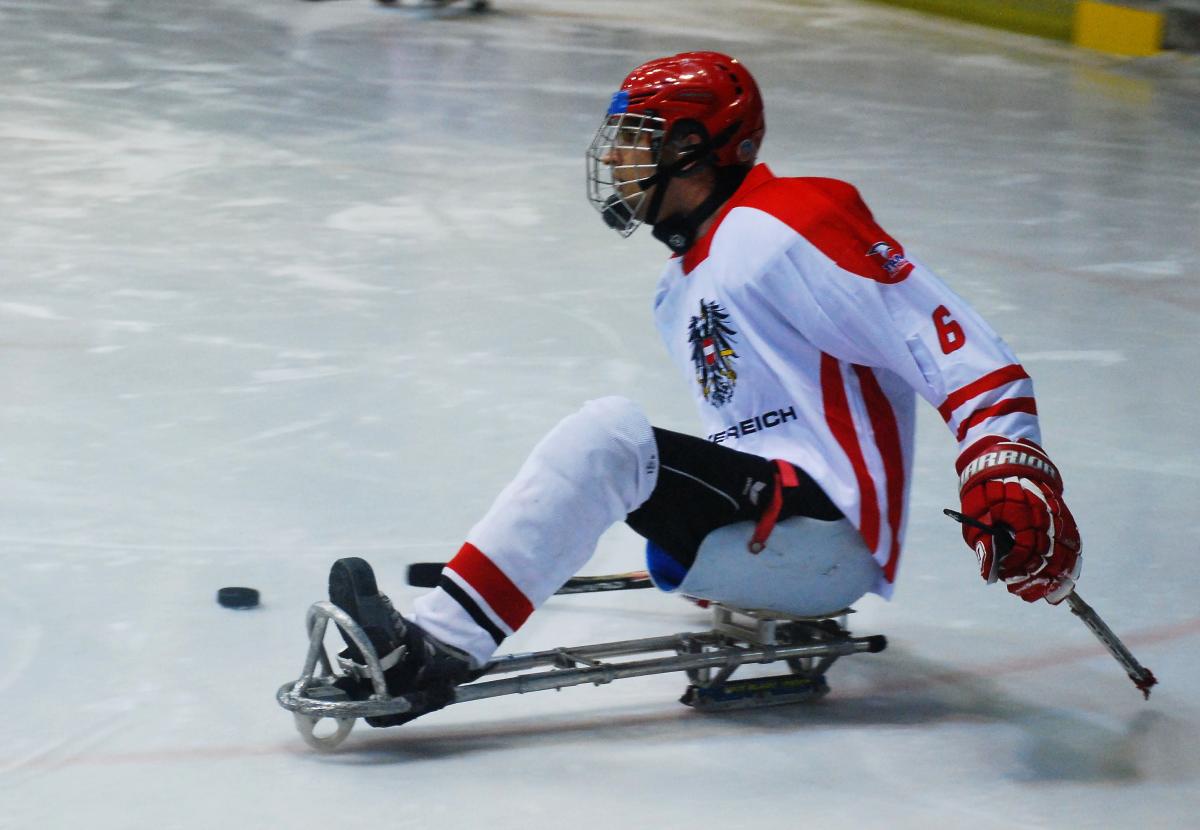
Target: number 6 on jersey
950, 334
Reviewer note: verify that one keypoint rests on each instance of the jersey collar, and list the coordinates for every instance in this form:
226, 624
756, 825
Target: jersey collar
759, 175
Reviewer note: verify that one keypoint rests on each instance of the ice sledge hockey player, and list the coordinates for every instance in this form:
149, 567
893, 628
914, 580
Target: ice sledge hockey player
806, 332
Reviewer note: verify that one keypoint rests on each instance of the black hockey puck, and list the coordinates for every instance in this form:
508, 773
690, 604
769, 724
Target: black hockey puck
238, 597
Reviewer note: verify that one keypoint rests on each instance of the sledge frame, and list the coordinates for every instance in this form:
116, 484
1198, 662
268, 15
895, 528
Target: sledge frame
809, 645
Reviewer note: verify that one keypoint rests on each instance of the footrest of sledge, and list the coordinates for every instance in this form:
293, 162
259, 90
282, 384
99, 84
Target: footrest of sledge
753, 692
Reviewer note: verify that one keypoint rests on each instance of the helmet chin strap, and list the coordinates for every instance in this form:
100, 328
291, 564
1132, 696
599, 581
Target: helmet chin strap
616, 213
678, 231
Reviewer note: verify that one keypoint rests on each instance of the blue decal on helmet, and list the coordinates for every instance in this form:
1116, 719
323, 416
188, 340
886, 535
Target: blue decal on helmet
620, 102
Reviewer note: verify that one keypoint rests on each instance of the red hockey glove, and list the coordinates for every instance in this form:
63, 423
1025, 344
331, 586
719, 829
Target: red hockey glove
1014, 486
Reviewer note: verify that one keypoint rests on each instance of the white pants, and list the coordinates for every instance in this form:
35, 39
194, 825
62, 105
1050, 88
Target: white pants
590, 471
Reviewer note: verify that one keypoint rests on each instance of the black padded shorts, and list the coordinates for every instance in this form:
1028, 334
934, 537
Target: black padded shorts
703, 486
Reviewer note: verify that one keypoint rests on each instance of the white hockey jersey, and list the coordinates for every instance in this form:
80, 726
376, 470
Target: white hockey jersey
804, 330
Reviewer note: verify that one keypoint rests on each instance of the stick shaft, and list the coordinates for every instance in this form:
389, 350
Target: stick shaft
427, 574
1141, 676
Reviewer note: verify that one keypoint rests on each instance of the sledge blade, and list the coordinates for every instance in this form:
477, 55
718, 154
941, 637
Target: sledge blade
753, 692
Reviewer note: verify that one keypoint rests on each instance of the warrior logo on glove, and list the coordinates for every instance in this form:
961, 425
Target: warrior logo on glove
1014, 487
712, 352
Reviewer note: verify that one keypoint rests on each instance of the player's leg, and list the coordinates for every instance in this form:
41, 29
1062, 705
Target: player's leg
590, 471
712, 502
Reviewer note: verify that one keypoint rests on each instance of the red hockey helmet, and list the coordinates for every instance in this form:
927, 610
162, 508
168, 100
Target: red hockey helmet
707, 87
693, 93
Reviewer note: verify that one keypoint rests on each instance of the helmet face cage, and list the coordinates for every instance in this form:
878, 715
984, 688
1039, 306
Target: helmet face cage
622, 157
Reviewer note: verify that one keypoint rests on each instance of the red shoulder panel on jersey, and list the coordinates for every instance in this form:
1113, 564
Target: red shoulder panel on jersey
829, 213
491, 583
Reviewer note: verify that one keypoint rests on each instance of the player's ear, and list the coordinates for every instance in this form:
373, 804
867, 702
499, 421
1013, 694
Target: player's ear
685, 139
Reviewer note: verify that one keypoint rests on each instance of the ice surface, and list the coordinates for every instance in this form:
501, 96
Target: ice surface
286, 281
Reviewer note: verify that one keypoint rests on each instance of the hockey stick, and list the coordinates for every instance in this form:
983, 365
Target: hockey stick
1141, 676
427, 574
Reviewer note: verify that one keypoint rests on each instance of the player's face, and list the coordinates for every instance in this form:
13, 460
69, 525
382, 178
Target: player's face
631, 158
630, 154
621, 160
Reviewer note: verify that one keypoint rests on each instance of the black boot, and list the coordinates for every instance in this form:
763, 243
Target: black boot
423, 669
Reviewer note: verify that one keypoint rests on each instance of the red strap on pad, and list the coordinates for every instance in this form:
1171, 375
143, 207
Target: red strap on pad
785, 476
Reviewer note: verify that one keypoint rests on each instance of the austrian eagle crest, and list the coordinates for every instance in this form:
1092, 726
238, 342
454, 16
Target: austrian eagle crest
712, 340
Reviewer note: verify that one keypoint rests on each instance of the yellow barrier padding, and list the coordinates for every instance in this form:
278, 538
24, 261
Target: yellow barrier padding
1118, 30
1047, 18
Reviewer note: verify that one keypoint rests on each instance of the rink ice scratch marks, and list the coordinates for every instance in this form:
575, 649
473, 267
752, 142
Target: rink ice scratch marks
1043, 660
65, 750
286, 429
1101, 357
1169, 289
48, 760
26, 640
275, 550
37, 312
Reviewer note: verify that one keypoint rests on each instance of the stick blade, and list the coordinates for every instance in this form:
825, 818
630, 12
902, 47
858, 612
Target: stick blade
1145, 682
425, 574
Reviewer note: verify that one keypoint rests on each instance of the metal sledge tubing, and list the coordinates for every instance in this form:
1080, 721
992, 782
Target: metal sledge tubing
319, 614
291, 698
557, 656
609, 672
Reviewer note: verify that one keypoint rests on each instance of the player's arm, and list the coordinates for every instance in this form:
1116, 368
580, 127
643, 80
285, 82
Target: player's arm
1006, 478
901, 317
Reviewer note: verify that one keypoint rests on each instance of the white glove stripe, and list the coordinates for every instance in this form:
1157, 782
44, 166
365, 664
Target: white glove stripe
1065, 586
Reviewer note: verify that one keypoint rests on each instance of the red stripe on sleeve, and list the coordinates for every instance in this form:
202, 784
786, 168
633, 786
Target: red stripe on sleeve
990, 381
497, 590
1005, 407
887, 438
841, 424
